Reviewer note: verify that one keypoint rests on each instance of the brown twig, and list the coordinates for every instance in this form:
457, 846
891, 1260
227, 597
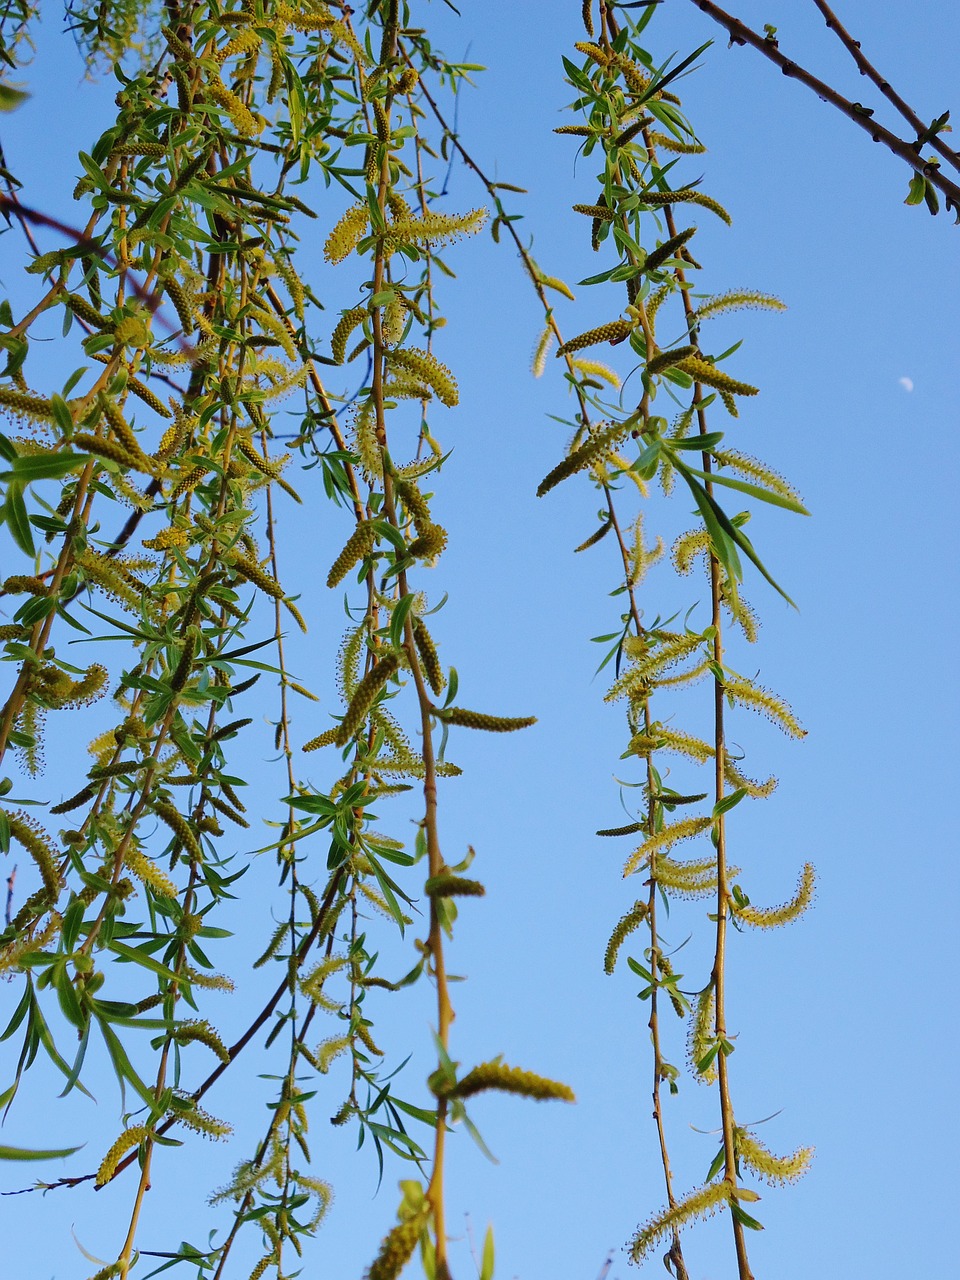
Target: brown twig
909, 152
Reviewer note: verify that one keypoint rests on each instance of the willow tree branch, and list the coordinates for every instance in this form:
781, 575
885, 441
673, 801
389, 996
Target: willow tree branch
866, 68
909, 152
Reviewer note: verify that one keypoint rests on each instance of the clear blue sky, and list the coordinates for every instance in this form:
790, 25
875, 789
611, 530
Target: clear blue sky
847, 1020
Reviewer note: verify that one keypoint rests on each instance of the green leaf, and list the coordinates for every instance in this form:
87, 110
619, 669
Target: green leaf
46, 466
753, 490
15, 513
728, 802
23, 1153
486, 1264
10, 99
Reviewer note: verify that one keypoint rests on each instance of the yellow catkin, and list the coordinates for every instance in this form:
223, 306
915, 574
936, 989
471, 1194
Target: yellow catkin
497, 1075
701, 1034
598, 371
148, 873
180, 827
541, 351
437, 228
631, 920
28, 832
325, 739
250, 570
425, 365
328, 1050
737, 780
757, 471
672, 833
787, 912
703, 371
202, 1033
739, 300
347, 233
678, 147
130, 1138
112, 450
767, 703
699, 1204
241, 117
774, 1169
167, 539
650, 658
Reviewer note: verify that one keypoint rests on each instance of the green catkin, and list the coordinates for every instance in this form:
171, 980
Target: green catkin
222, 807
396, 1249
450, 886
429, 658
667, 971
131, 1137
110, 449
541, 351
497, 1075
675, 145
479, 720
599, 211
250, 570
364, 696
758, 472
183, 668
703, 371
342, 331
774, 1169
591, 451
669, 359
82, 308
20, 584
624, 927
325, 739
672, 833
274, 945
22, 404
430, 543
686, 195
180, 827
787, 912
699, 1204
613, 332
359, 545
668, 248
227, 730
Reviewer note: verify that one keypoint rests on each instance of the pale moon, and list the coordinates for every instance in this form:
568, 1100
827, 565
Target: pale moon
906, 383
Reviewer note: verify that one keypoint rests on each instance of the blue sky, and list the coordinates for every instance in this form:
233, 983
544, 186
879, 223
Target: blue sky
846, 1020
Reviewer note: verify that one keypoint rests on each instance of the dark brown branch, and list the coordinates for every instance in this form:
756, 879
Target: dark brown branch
740, 33
866, 68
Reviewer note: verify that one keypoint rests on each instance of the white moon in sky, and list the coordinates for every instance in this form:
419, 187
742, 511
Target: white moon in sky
906, 383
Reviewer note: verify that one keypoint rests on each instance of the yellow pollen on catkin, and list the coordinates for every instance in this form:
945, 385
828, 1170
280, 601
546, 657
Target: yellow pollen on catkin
787, 912
699, 1204
347, 233
131, 1137
774, 1169
425, 365
497, 1075
701, 1035
707, 373
631, 920
541, 351
672, 833
396, 1249
149, 873
202, 1033
767, 703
